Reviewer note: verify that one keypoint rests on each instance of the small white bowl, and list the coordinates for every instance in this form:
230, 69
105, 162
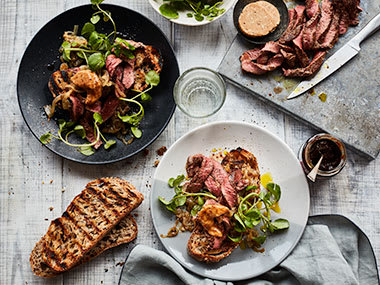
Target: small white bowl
186, 21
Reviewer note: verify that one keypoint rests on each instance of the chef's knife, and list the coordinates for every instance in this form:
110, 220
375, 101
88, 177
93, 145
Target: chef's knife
338, 59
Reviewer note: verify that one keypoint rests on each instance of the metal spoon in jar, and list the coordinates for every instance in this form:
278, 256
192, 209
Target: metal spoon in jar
313, 173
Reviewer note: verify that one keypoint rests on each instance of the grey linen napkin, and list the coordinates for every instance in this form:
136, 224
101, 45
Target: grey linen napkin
332, 250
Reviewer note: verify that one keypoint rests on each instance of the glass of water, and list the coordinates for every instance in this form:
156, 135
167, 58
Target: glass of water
200, 92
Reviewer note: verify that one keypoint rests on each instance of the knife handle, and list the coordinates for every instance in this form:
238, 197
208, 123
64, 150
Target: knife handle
369, 29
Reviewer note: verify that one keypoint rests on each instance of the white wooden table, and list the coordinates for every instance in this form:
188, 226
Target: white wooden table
36, 186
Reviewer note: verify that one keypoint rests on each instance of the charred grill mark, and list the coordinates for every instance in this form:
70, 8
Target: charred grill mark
67, 216
65, 75
95, 193
122, 199
53, 86
87, 221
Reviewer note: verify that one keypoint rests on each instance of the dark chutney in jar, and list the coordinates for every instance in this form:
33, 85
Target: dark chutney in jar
330, 151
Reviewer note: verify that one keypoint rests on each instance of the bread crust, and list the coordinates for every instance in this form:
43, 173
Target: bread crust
126, 231
90, 216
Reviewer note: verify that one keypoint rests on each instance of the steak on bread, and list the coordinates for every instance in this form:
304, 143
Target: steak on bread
201, 246
90, 216
124, 232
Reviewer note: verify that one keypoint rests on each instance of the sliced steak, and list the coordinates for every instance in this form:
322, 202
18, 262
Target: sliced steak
112, 62
325, 20
290, 58
312, 8
77, 109
87, 123
198, 167
302, 57
309, 70
296, 29
109, 107
128, 76
258, 69
309, 32
332, 34
292, 22
96, 107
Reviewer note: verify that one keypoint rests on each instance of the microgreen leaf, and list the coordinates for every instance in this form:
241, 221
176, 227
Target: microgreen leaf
109, 143
237, 217
194, 211
86, 150
260, 239
173, 182
275, 190
163, 201
98, 118
280, 224
236, 239
251, 187
66, 51
80, 131
152, 78
46, 138
169, 11
190, 15
180, 201
96, 61
94, 2
94, 19
198, 17
145, 97
136, 132
87, 30
200, 201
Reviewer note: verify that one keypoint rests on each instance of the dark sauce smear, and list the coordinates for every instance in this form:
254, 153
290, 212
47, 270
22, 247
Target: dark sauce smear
330, 151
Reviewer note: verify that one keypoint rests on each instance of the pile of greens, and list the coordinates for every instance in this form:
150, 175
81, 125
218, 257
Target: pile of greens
95, 53
199, 9
252, 215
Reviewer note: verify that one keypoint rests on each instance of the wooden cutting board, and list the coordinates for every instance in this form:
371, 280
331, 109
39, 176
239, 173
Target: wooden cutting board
351, 111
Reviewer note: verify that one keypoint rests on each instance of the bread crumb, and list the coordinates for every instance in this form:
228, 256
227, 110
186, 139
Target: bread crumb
46, 219
136, 215
146, 152
156, 163
51, 209
120, 263
105, 270
161, 150
63, 190
43, 182
51, 181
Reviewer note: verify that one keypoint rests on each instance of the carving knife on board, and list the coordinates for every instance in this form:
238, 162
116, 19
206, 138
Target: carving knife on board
338, 59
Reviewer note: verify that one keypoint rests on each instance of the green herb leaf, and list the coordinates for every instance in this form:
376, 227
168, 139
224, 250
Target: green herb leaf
109, 143
163, 201
145, 97
281, 224
200, 201
251, 187
86, 150
46, 138
236, 239
98, 118
94, 19
275, 190
106, 17
94, 2
237, 217
189, 15
152, 78
169, 11
180, 201
173, 182
87, 30
66, 51
136, 132
260, 239
125, 43
96, 61
133, 120
80, 131
198, 17
194, 211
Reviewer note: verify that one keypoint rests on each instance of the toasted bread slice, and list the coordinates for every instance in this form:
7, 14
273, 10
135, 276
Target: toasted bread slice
246, 162
124, 232
200, 246
89, 217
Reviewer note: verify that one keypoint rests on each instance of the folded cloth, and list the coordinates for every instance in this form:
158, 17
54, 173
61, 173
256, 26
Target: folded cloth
332, 250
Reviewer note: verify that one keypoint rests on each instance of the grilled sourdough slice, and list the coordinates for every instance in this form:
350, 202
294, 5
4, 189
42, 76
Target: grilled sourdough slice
89, 217
124, 232
201, 246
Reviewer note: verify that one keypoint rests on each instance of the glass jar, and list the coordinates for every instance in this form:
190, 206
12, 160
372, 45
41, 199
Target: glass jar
332, 149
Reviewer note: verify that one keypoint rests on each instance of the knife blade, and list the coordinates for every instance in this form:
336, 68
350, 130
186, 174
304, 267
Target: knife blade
338, 59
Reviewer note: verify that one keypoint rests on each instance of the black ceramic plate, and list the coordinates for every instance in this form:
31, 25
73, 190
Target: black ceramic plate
273, 36
42, 51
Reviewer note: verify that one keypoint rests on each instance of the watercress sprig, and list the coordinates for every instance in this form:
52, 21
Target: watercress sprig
152, 78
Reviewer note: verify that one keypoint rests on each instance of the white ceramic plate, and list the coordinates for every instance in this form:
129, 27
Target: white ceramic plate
186, 21
273, 156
